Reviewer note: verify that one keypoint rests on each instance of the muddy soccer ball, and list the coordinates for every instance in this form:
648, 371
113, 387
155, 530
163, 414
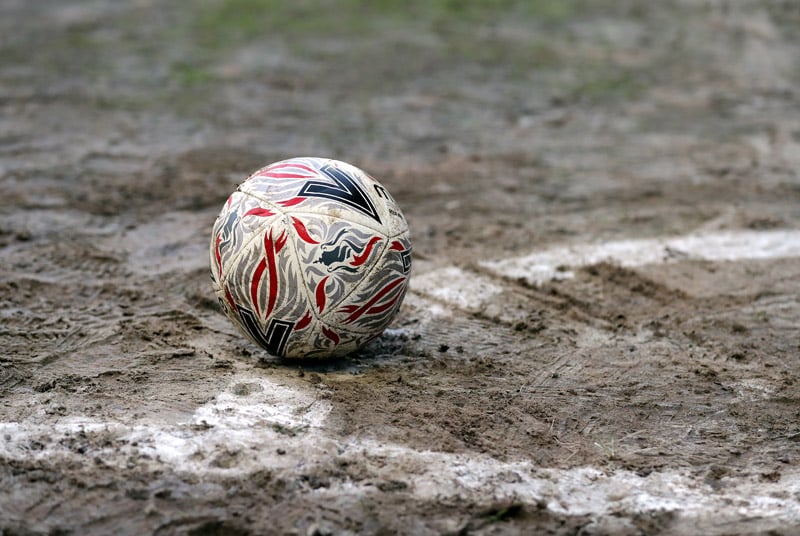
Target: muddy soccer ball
310, 257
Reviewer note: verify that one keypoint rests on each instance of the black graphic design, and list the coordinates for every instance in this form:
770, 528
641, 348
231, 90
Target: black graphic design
337, 253
406, 256
277, 334
344, 189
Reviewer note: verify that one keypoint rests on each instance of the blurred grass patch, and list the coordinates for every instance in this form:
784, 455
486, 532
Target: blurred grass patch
188, 74
457, 31
399, 40
167, 53
229, 23
606, 83
232, 22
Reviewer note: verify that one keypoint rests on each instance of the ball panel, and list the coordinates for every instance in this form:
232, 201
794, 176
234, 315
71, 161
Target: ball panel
325, 186
319, 340
237, 226
374, 301
225, 235
279, 183
265, 278
334, 256
261, 288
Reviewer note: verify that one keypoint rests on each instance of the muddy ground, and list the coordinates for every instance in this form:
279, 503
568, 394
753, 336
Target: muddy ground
501, 131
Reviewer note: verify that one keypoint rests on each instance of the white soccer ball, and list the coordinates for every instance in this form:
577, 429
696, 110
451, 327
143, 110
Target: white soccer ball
310, 257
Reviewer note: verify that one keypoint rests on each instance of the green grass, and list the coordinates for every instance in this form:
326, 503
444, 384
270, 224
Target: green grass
604, 83
369, 30
177, 54
429, 35
229, 23
188, 74
225, 23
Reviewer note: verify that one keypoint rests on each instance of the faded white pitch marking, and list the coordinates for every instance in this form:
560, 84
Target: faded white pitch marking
251, 419
264, 416
456, 286
579, 491
428, 308
555, 263
235, 434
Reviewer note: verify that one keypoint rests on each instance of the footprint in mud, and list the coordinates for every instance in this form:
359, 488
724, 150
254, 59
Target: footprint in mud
10, 376
246, 389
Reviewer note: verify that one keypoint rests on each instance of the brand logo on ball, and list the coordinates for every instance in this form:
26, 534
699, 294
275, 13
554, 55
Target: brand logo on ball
345, 252
297, 266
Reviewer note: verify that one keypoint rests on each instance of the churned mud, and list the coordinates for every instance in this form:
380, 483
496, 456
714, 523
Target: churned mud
601, 335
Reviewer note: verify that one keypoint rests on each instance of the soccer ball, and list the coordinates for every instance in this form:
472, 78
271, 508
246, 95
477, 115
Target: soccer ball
310, 257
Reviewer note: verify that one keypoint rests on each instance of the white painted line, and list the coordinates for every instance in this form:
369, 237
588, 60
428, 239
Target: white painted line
427, 308
586, 490
558, 262
456, 286
249, 421
258, 424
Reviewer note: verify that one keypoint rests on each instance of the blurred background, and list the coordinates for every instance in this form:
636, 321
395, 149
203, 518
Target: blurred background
179, 101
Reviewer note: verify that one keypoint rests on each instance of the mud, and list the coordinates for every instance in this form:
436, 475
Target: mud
602, 398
